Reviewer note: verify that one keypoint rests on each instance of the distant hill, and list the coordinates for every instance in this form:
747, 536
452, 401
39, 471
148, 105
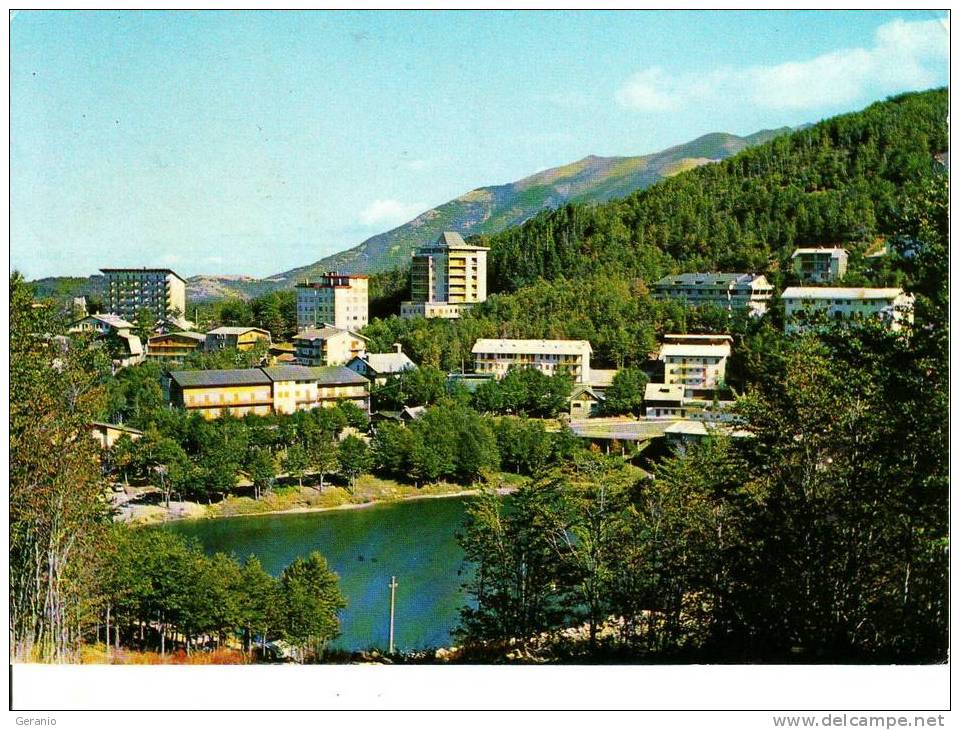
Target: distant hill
493, 209
486, 210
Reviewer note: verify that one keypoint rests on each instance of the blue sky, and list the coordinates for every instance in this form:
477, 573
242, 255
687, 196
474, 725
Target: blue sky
254, 142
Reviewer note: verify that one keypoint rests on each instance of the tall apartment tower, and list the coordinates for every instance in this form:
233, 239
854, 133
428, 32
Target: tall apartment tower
446, 277
161, 291
335, 299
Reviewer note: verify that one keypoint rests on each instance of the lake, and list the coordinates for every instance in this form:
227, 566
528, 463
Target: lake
413, 540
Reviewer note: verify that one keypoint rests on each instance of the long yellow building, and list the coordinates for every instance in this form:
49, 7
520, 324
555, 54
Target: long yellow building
262, 391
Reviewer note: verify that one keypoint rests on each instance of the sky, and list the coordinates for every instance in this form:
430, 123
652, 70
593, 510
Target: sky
242, 142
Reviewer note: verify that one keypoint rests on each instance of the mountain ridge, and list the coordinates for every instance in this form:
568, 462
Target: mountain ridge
484, 210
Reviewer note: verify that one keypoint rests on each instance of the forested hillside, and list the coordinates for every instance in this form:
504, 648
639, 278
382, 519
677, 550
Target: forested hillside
839, 181
583, 270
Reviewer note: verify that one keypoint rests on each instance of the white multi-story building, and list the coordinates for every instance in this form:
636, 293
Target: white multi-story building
335, 299
328, 346
811, 306
552, 357
820, 264
160, 291
751, 292
697, 362
446, 277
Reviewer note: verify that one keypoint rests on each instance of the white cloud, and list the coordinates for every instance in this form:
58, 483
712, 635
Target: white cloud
418, 165
649, 91
904, 55
389, 212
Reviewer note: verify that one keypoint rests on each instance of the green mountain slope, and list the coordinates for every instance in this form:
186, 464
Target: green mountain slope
491, 209
582, 271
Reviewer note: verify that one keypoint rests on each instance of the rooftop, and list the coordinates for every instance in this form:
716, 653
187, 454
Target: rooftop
676, 339
711, 279
692, 350
210, 378
601, 378
134, 346
195, 336
332, 375
687, 428
452, 239
583, 388
662, 391
388, 362
537, 347
235, 330
834, 252
116, 427
323, 333
835, 292
114, 320
144, 270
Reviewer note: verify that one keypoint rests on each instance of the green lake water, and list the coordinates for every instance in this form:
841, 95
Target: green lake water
414, 540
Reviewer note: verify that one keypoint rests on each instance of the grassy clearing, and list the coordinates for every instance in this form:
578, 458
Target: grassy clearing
369, 488
97, 654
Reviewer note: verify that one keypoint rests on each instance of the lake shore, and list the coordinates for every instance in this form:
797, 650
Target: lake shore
360, 505
302, 500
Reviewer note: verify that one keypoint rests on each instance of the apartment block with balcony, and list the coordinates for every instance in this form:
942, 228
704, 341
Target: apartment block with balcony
446, 278
551, 357
693, 362
328, 346
338, 300
733, 292
266, 390
820, 264
808, 307
160, 291
174, 346
214, 393
300, 388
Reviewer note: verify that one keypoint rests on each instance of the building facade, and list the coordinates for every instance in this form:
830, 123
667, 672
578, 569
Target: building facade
551, 357
335, 299
237, 338
733, 292
160, 291
126, 347
661, 400
807, 307
101, 324
174, 346
446, 277
820, 264
262, 391
328, 346
696, 362
213, 393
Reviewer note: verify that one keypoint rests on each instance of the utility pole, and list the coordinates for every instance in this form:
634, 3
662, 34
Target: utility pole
393, 595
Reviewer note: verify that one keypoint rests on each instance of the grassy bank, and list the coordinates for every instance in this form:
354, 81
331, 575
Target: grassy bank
368, 490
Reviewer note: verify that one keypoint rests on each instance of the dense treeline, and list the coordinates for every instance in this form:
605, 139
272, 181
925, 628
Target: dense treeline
822, 537
161, 592
582, 272
839, 181
186, 456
